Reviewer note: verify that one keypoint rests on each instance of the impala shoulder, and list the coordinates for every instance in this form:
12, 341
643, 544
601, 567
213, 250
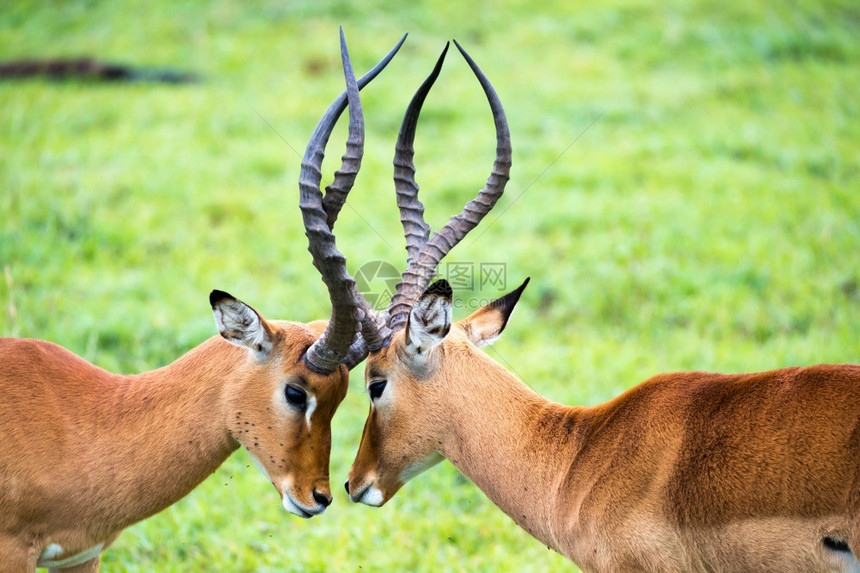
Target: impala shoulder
31, 352
28, 347
834, 372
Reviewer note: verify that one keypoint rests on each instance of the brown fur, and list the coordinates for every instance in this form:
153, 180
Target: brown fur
686, 472
86, 453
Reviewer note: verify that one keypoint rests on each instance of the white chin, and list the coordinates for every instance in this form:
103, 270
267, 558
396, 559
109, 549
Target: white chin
372, 497
293, 508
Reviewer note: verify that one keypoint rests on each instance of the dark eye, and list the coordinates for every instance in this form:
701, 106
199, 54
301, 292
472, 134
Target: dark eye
296, 396
376, 389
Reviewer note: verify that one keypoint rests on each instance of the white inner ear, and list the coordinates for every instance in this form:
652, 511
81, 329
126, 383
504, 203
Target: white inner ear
483, 328
484, 341
429, 323
239, 324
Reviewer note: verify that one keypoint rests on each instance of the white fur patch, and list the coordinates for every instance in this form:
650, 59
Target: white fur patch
851, 563
312, 405
372, 496
416, 468
47, 557
487, 341
259, 464
294, 508
51, 551
847, 560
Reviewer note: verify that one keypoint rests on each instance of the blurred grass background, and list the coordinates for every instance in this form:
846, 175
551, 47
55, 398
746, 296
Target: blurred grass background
708, 219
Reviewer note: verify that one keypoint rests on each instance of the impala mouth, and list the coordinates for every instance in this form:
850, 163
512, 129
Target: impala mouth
302, 511
368, 495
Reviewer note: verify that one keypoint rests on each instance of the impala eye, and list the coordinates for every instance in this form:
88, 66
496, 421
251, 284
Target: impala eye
296, 396
376, 389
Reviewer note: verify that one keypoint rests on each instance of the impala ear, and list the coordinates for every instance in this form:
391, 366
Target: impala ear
486, 324
240, 324
430, 319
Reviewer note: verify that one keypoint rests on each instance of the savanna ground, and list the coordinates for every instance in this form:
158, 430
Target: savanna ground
709, 217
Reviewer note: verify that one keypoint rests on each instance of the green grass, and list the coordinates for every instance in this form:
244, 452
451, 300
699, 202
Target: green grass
708, 219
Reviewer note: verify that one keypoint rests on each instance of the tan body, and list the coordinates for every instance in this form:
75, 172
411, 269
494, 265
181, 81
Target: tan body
86, 453
696, 472
685, 472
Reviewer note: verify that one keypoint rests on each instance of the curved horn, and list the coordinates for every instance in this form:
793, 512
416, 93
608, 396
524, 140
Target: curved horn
344, 177
375, 335
422, 267
340, 336
415, 229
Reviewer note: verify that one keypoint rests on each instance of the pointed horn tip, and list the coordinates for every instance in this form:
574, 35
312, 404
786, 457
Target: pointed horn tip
342, 42
465, 54
438, 67
445, 50
344, 52
468, 58
397, 46
344, 57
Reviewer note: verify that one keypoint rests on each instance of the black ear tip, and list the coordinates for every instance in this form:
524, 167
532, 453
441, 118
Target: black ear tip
217, 296
440, 288
515, 295
510, 300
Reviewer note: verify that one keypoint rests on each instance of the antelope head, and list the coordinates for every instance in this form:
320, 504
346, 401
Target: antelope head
299, 373
408, 378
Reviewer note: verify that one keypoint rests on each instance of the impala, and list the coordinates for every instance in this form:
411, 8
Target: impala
688, 471
86, 453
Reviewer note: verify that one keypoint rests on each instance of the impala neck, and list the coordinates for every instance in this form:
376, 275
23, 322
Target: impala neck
165, 430
513, 444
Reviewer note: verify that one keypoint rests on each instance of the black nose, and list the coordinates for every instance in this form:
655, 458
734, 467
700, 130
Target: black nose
322, 499
346, 485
